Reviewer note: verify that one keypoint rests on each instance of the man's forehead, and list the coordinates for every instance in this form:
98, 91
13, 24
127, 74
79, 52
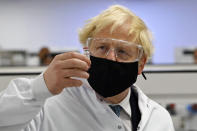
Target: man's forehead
120, 32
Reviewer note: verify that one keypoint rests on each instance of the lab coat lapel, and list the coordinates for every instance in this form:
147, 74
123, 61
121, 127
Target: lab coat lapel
145, 107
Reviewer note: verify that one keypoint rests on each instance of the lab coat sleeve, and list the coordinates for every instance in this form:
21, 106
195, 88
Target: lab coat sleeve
21, 102
167, 122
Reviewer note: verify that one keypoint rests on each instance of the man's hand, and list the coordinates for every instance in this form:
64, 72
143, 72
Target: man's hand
62, 68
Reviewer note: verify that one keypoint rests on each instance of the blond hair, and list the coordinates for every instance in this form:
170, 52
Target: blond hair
115, 16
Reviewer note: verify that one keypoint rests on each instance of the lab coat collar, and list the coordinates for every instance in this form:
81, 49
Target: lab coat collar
146, 107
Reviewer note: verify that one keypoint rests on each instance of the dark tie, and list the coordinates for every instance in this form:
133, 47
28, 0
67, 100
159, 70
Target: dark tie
116, 109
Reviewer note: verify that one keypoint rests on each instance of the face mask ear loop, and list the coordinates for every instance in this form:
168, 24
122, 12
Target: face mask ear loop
144, 76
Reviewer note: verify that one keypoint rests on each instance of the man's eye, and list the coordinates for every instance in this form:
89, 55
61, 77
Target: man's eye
101, 47
122, 52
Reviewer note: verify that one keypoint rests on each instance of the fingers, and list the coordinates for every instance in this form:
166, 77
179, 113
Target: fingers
63, 68
70, 55
74, 63
75, 73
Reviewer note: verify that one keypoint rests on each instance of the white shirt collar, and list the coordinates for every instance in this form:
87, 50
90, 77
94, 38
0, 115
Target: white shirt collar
125, 103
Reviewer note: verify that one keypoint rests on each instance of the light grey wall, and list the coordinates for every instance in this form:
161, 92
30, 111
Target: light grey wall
31, 24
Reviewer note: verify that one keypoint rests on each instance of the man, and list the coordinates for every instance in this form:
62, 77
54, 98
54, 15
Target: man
61, 99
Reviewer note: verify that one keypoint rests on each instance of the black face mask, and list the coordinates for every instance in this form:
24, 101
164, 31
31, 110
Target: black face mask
109, 78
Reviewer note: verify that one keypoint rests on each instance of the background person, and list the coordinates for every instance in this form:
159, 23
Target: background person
195, 56
45, 56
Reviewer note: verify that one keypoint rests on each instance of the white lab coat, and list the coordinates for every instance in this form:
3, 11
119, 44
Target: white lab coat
27, 105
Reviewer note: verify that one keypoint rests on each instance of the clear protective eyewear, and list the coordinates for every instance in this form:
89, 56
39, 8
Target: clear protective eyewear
124, 51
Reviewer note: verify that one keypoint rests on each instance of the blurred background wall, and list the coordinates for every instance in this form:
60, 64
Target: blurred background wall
32, 24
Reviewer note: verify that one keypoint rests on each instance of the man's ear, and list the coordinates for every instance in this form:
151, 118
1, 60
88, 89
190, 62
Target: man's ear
142, 63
